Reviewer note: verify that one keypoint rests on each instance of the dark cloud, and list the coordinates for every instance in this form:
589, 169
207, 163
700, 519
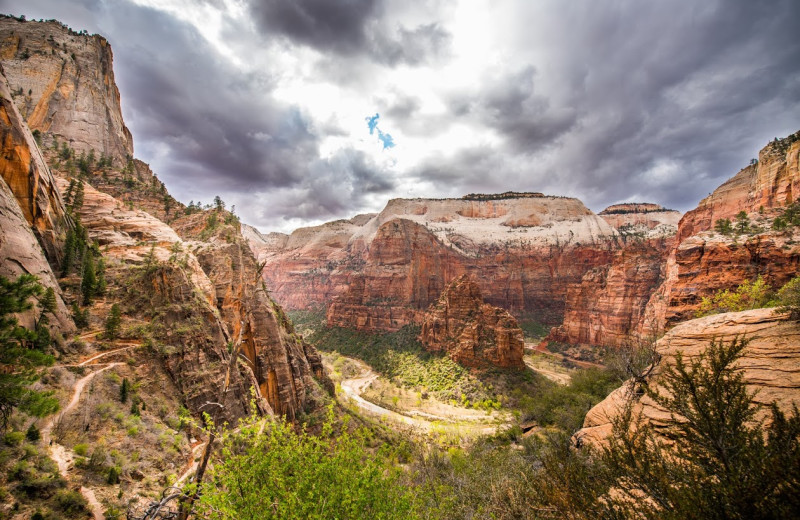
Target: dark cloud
658, 101
334, 187
337, 25
350, 28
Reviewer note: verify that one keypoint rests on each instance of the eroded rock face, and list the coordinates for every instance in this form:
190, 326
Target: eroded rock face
21, 253
472, 332
25, 173
377, 272
64, 86
642, 220
771, 183
607, 307
771, 365
703, 262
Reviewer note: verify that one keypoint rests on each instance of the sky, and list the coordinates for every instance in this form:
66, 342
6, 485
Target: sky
304, 111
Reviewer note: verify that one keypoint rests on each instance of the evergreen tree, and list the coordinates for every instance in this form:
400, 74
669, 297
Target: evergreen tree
18, 359
80, 317
113, 322
89, 279
716, 459
124, 390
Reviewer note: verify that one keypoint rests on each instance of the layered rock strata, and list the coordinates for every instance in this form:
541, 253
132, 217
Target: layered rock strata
63, 83
472, 332
378, 272
703, 262
32, 216
770, 366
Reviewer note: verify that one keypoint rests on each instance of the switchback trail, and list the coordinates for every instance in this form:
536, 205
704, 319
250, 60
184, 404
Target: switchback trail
64, 456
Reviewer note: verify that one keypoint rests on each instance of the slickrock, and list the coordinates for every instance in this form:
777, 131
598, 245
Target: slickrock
770, 365
380, 271
24, 171
64, 86
473, 333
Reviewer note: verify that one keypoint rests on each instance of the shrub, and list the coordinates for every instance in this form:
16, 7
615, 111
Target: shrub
789, 298
289, 475
71, 503
33, 434
113, 322
14, 438
749, 295
112, 477
81, 449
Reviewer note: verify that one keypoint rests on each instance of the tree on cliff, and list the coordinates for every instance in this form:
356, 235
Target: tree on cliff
717, 458
19, 359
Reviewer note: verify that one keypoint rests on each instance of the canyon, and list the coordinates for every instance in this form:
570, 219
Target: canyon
60, 104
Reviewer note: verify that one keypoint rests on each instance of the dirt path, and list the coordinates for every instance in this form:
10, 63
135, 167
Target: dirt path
106, 353
353, 388
561, 378
64, 456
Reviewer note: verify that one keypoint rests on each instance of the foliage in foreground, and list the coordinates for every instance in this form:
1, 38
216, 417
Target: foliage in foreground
22, 350
716, 459
284, 474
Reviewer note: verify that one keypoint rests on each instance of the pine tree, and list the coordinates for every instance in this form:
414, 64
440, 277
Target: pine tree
124, 390
89, 279
713, 458
113, 322
18, 360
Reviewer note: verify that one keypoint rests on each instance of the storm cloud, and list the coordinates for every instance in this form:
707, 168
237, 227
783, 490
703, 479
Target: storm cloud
263, 102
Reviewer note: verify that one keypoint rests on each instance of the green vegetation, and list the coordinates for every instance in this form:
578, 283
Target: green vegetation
748, 295
789, 298
113, 322
789, 217
284, 474
21, 352
400, 357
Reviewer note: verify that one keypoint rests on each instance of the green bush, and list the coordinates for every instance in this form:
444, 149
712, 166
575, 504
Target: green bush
71, 503
749, 295
81, 449
14, 438
282, 474
33, 434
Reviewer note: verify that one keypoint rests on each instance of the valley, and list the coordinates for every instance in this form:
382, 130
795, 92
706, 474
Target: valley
489, 356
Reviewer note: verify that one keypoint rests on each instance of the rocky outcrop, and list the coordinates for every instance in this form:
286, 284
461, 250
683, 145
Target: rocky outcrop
64, 87
607, 307
284, 366
641, 220
21, 253
770, 365
25, 173
379, 272
772, 182
471, 332
703, 262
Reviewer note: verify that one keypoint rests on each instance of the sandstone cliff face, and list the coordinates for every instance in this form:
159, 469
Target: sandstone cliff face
64, 86
198, 294
380, 271
771, 365
773, 182
284, 366
20, 253
607, 307
473, 333
24, 171
703, 262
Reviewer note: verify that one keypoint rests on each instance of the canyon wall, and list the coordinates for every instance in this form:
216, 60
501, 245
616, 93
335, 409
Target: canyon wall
703, 261
63, 84
197, 291
379, 272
